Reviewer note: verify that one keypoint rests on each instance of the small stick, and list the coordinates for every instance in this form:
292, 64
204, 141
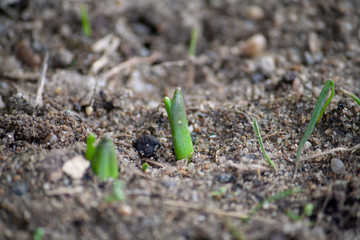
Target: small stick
64, 190
129, 63
195, 206
42, 79
154, 162
331, 151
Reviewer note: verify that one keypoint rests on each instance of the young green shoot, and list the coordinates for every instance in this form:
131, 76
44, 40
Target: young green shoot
39, 234
144, 167
102, 157
319, 110
90, 147
118, 191
85, 20
179, 126
257, 131
308, 209
272, 198
193, 41
221, 192
353, 96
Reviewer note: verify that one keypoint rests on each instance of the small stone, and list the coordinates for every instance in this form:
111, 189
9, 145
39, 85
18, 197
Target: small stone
337, 166
255, 45
289, 77
309, 60
255, 12
19, 188
76, 167
307, 145
313, 43
266, 64
63, 58
225, 178
89, 110
146, 145
124, 210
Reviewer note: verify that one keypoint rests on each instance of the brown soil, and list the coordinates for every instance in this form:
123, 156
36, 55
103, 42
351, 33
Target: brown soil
230, 81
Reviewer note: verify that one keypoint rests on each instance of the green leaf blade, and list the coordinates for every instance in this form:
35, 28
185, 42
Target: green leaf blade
104, 163
90, 147
319, 110
257, 131
179, 126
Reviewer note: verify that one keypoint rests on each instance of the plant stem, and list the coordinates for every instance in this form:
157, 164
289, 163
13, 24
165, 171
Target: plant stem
256, 128
179, 126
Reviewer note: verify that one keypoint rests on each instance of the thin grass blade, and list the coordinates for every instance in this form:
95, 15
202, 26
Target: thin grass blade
256, 129
319, 110
353, 96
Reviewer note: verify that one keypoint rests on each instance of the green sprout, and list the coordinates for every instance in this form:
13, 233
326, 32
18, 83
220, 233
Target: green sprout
39, 234
257, 131
90, 147
118, 191
315, 117
179, 126
144, 167
102, 157
353, 96
308, 210
272, 198
193, 41
85, 21
221, 192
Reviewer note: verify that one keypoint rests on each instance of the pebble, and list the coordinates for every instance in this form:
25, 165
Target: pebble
225, 178
124, 210
255, 45
337, 166
266, 64
76, 167
313, 43
25, 53
62, 58
255, 12
19, 188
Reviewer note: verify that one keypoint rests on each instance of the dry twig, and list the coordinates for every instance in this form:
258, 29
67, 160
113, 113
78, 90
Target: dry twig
341, 149
130, 63
216, 211
42, 80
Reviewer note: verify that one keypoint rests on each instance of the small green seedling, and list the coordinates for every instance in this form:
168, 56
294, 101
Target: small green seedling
85, 21
353, 96
308, 209
102, 158
272, 198
144, 167
90, 147
39, 234
257, 131
193, 41
315, 117
118, 191
221, 192
179, 126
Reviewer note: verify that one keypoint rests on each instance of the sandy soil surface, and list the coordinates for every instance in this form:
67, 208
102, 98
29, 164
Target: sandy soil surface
254, 59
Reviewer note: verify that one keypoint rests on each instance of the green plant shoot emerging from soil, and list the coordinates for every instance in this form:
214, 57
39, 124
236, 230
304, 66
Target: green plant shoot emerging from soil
102, 157
315, 117
85, 21
257, 131
179, 126
353, 96
193, 41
